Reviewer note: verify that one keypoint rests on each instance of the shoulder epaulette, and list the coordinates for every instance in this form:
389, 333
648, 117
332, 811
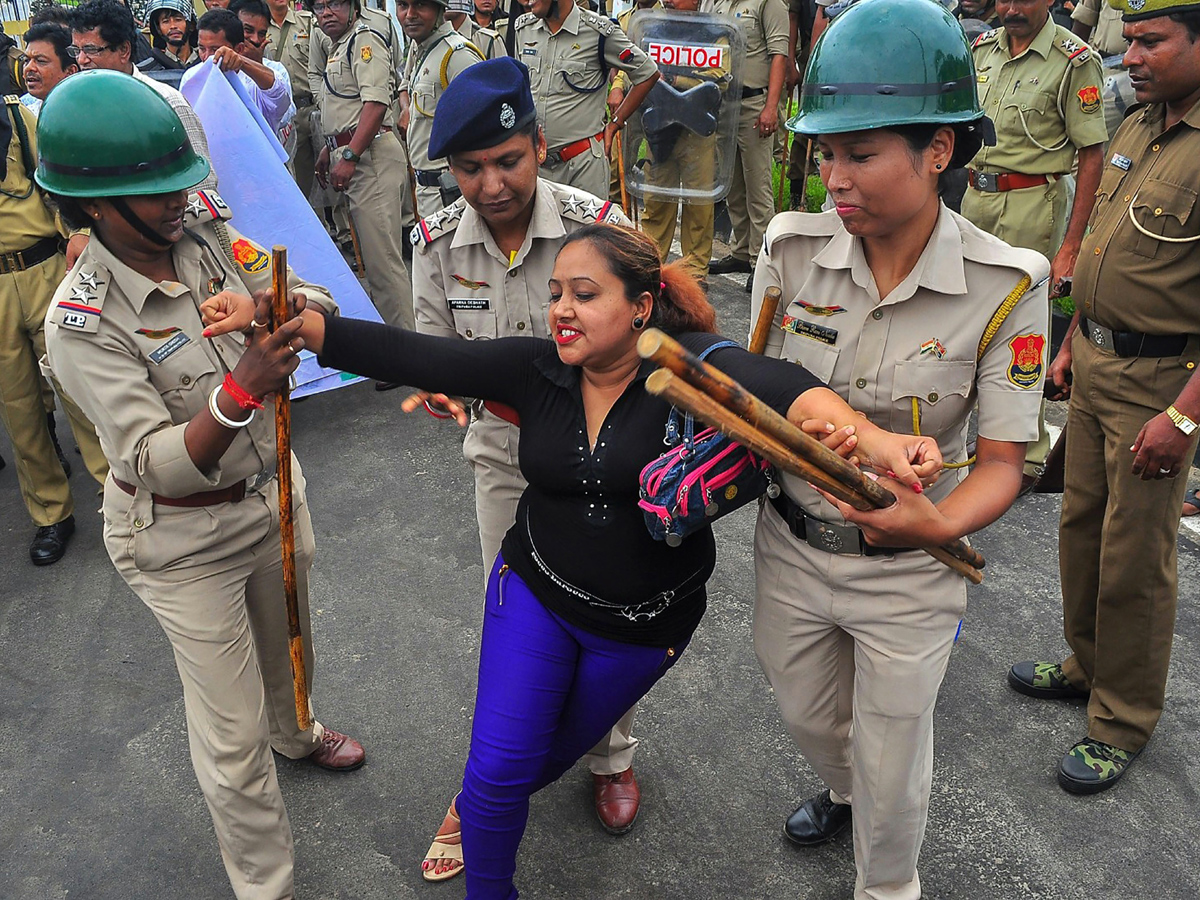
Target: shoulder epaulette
205, 206
525, 19
82, 299
1073, 49
600, 23
987, 37
442, 222
801, 224
582, 207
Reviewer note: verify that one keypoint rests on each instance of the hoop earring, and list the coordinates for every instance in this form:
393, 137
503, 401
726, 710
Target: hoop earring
638, 323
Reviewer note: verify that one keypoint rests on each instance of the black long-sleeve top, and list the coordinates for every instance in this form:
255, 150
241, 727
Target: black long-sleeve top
580, 540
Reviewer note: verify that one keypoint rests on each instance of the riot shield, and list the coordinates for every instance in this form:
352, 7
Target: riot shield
681, 144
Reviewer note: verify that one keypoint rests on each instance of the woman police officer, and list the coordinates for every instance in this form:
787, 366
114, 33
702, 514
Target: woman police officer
893, 300
191, 511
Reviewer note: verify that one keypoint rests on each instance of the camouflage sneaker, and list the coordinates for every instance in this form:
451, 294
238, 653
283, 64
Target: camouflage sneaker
1043, 680
1092, 766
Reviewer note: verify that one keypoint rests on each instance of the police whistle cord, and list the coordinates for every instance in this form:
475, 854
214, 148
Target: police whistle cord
287, 533
715, 398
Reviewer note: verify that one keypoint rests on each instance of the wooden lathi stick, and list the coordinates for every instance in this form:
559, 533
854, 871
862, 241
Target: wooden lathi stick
621, 176
681, 394
669, 353
766, 318
283, 467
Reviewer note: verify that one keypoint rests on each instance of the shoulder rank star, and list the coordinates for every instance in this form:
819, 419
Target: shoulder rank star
814, 310
571, 203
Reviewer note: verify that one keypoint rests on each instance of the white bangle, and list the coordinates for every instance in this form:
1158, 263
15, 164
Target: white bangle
221, 417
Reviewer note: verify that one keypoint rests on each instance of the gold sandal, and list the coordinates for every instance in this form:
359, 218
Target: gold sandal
440, 851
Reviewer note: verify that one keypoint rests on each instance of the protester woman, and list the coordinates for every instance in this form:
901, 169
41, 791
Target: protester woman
584, 610
191, 505
900, 305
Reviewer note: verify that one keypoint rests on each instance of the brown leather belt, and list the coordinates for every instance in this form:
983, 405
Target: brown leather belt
20, 260
342, 138
997, 182
572, 150
231, 494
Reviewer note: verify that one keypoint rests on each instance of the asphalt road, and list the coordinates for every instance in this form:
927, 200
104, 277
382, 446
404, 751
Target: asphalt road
98, 800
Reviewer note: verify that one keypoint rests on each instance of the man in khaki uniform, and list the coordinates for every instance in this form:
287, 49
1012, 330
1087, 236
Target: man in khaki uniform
765, 26
362, 154
479, 275
437, 54
616, 96
1135, 399
1041, 87
289, 34
1100, 25
198, 542
31, 266
489, 43
570, 52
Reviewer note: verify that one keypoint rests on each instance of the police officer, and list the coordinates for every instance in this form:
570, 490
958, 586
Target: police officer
764, 24
488, 42
362, 155
191, 506
437, 54
888, 298
570, 52
31, 266
1041, 87
1100, 25
289, 34
480, 269
1135, 401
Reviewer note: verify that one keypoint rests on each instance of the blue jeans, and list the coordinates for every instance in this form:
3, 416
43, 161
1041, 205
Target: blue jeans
547, 692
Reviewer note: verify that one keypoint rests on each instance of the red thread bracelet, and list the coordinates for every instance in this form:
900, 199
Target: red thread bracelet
244, 398
437, 415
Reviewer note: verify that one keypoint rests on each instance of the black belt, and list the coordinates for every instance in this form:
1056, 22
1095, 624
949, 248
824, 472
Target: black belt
1129, 344
20, 260
429, 177
752, 92
827, 536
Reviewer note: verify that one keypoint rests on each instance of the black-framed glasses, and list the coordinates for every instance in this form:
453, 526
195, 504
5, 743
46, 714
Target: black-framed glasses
76, 52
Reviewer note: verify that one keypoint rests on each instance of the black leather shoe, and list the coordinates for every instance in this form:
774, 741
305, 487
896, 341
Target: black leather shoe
750, 282
727, 265
50, 542
817, 821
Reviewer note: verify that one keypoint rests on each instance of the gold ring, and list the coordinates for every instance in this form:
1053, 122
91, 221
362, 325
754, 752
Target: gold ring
254, 323
290, 347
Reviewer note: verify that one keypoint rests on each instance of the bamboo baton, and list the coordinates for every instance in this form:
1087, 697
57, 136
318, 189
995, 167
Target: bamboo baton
667, 384
621, 176
283, 466
669, 353
766, 318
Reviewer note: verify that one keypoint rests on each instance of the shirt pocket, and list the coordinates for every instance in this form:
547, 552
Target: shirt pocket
579, 76
1109, 189
180, 379
1164, 223
818, 358
475, 324
1034, 114
940, 390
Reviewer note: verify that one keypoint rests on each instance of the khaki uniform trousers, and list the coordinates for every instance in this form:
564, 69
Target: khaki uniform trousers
429, 200
304, 160
855, 649
1035, 218
750, 203
588, 171
1117, 543
491, 447
24, 299
212, 576
375, 204
692, 161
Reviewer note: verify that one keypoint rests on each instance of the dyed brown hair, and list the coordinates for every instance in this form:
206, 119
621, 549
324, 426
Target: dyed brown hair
679, 302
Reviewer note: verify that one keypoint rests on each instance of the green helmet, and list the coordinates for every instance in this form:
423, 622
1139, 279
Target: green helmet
106, 134
888, 62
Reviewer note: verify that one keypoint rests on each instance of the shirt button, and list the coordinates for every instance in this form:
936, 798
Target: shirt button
520, 326
862, 383
138, 523
185, 380
1155, 148
878, 314
1097, 251
1128, 198
933, 396
1191, 365
470, 333
1158, 210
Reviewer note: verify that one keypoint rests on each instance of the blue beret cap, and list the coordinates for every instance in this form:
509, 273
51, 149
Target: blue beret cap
484, 106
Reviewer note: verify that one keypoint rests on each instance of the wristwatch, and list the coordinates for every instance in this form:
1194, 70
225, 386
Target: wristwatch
1182, 422
349, 155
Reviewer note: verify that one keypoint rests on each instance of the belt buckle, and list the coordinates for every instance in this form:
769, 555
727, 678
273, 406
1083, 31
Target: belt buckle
19, 260
331, 142
6, 264
830, 538
1101, 337
254, 482
986, 181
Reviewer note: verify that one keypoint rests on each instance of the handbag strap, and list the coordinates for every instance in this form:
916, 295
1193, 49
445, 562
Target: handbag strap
689, 422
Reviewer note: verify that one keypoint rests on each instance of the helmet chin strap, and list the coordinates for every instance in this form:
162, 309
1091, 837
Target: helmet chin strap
137, 224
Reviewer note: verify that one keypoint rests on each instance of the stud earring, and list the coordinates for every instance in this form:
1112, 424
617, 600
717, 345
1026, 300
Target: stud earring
938, 167
638, 323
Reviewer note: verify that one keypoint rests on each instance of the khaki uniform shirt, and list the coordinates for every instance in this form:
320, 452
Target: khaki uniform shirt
569, 83
1106, 22
1125, 278
920, 342
24, 216
764, 24
488, 42
1046, 103
359, 70
320, 48
431, 66
464, 285
289, 45
130, 352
